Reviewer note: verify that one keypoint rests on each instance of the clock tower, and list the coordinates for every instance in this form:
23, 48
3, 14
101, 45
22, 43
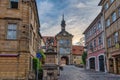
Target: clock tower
64, 44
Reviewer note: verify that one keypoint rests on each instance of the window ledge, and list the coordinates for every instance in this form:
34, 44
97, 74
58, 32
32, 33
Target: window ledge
13, 8
12, 39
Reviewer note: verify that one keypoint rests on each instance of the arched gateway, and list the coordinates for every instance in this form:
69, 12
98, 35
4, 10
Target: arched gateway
65, 60
64, 44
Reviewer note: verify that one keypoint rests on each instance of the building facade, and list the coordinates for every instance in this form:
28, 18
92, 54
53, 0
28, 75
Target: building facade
64, 45
94, 41
77, 52
111, 12
19, 38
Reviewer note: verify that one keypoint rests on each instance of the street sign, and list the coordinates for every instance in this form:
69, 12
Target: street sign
38, 55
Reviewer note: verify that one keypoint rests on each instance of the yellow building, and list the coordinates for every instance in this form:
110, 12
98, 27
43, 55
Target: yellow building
19, 38
77, 52
111, 12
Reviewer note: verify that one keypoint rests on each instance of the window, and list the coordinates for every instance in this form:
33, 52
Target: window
109, 42
107, 22
100, 40
116, 37
91, 46
11, 33
99, 26
94, 29
14, 4
94, 43
111, 1
106, 6
74, 57
114, 17
90, 32
119, 11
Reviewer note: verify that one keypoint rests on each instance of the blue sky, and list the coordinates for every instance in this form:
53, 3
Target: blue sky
78, 15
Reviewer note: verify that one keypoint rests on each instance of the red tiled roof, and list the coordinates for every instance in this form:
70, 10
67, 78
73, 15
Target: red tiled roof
77, 50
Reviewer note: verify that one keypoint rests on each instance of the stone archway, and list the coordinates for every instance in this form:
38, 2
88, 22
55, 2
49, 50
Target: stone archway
65, 60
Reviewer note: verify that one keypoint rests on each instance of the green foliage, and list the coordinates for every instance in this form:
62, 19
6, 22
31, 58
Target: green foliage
36, 64
42, 53
84, 56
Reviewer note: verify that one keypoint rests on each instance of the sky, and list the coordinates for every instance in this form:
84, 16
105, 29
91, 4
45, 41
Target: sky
78, 15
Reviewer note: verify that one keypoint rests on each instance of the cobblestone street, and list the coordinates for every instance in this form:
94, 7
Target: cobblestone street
75, 73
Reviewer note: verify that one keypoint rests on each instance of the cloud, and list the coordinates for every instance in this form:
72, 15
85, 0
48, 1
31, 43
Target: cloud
44, 7
81, 5
78, 15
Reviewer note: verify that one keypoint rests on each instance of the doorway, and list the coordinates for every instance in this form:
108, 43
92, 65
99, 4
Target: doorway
64, 60
118, 64
101, 63
111, 66
92, 63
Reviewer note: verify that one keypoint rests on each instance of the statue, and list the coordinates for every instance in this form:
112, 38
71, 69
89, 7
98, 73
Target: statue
50, 44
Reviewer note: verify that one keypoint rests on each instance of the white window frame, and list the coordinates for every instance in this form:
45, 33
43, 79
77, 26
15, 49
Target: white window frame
100, 41
116, 37
99, 25
95, 43
109, 42
108, 22
106, 6
12, 29
114, 16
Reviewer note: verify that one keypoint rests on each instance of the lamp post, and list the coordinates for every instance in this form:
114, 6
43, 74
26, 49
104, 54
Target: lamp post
39, 56
37, 73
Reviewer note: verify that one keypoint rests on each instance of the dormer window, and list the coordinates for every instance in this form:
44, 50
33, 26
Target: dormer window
14, 4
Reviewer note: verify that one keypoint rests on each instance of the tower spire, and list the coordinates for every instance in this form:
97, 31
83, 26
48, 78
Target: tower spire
63, 17
63, 23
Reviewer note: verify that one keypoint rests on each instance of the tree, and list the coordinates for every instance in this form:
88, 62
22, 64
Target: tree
84, 56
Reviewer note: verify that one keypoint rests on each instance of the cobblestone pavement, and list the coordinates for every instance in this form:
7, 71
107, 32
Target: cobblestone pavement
75, 73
